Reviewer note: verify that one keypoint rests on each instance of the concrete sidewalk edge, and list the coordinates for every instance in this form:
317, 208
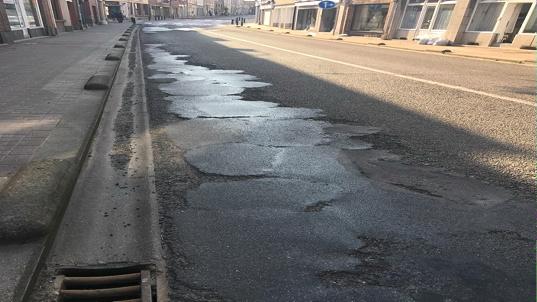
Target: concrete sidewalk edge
34, 200
256, 27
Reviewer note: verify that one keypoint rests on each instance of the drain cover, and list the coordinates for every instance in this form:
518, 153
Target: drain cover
127, 284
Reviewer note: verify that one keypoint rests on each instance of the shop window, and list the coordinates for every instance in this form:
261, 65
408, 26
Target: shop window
531, 25
306, 19
31, 13
282, 17
412, 14
328, 19
369, 17
485, 16
443, 16
428, 18
12, 14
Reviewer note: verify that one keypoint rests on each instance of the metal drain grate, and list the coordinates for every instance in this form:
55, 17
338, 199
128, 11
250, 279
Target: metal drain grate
127, 284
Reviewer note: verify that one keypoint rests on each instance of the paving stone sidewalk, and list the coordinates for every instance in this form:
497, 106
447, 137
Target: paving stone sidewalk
40, 80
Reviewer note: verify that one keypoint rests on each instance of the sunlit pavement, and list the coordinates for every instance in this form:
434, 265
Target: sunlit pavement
297, 170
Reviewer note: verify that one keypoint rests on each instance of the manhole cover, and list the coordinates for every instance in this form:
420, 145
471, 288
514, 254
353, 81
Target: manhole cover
106, 284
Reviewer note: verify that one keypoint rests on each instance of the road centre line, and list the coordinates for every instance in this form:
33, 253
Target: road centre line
402, 76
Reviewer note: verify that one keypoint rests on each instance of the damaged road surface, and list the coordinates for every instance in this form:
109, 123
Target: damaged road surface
263, 199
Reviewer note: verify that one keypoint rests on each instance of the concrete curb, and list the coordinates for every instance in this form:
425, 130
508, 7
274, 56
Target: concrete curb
30, 201
381, 44
34, 200
115, 55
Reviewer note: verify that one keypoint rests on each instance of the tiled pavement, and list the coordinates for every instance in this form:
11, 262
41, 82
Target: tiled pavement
40, 80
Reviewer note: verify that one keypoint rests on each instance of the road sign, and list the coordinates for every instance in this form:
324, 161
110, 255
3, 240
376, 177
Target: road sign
327, 4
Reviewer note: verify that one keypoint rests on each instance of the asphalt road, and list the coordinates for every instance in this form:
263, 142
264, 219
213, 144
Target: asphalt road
293, 169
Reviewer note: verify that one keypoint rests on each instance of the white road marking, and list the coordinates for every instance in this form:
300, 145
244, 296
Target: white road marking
393, 74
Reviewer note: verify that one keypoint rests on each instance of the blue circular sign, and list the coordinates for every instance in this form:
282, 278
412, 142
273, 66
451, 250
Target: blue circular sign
327, 4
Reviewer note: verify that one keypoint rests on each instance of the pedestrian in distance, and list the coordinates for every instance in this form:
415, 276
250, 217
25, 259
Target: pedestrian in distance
133, 20
120, 18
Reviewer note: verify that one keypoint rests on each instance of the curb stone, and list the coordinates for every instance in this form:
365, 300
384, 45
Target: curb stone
30, 200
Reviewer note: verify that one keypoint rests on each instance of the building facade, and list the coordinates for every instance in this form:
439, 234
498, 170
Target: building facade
506, 23
20, 19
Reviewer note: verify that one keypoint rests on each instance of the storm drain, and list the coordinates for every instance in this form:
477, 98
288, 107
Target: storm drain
103, 285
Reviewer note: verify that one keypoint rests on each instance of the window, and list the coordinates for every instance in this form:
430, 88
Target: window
12, 14
429, 13
412, 14
485, 16
282, 17
369, 17
443, 16
306, 19
31, 13
328, 18
531, 26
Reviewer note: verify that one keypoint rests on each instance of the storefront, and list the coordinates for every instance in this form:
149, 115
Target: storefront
426, 19
502, 22
306, 18
24, 18
368, 19
283, 16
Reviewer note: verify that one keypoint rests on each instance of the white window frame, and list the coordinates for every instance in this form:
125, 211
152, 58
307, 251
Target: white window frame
422, 4
446, 2
422, 17
499, 17
24, 16
530, 12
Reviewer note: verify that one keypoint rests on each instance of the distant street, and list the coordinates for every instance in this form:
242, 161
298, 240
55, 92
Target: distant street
296, 169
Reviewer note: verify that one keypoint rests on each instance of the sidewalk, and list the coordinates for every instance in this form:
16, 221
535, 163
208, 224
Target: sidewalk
46, 119
512, 55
